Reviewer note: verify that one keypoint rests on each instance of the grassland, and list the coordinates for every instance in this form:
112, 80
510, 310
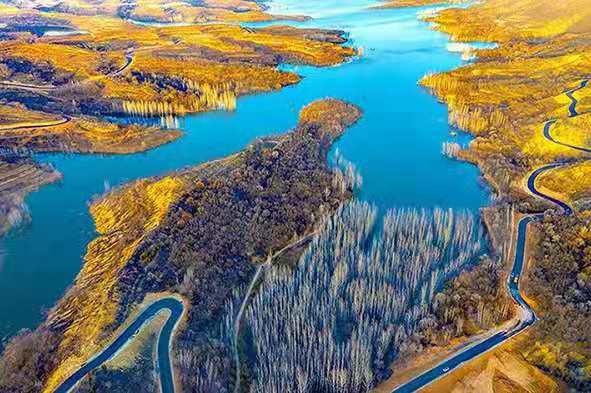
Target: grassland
572, 182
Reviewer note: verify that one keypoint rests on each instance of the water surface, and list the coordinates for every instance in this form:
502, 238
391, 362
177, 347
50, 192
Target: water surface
396, 146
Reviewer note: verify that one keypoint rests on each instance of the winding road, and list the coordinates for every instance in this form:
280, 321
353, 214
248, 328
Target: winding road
165, 371
176, 309
527, 317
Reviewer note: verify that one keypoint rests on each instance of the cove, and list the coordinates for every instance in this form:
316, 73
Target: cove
396, 147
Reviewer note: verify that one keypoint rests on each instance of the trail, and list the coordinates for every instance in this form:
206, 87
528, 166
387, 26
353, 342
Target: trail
246, 300
24, 126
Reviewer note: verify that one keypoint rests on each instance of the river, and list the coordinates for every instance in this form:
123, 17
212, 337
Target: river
396, 147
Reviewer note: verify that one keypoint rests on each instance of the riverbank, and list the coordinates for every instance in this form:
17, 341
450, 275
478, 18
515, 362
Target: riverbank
173, 233
20, 176
119, 88
537, 78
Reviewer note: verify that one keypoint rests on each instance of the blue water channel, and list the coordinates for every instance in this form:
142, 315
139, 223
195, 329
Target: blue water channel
396, 146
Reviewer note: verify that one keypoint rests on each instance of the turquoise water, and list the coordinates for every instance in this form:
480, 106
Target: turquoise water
396, 146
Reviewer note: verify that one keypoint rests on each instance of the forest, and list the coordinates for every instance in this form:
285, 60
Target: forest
560, 281
359, 292
219, 221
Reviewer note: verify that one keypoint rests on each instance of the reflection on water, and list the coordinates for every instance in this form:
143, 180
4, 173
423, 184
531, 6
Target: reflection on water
396, 146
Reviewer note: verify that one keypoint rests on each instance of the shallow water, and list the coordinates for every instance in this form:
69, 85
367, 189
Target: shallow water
396, 147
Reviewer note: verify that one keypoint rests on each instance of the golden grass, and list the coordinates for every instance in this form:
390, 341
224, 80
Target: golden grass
584, 98
83, 63
17, 115
575, 131
123, 219
8, 10
507, 20
500, 371
416, 3
41, 132
570, 131
572, 182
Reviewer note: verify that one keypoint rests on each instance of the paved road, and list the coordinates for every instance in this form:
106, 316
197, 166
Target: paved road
176, 308
527, 317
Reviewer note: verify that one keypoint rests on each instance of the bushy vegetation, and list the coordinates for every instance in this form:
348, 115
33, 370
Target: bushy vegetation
23, 366
561, 284
199, 232
337, 321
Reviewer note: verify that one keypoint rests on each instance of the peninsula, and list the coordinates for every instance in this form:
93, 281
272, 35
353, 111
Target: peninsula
73, 75
199, 232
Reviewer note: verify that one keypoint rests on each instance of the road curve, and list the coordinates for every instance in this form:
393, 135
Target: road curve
572, 109
48, 124
528, 317
176, 309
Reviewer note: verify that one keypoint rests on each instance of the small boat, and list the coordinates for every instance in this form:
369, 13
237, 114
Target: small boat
445, 369
453, 133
